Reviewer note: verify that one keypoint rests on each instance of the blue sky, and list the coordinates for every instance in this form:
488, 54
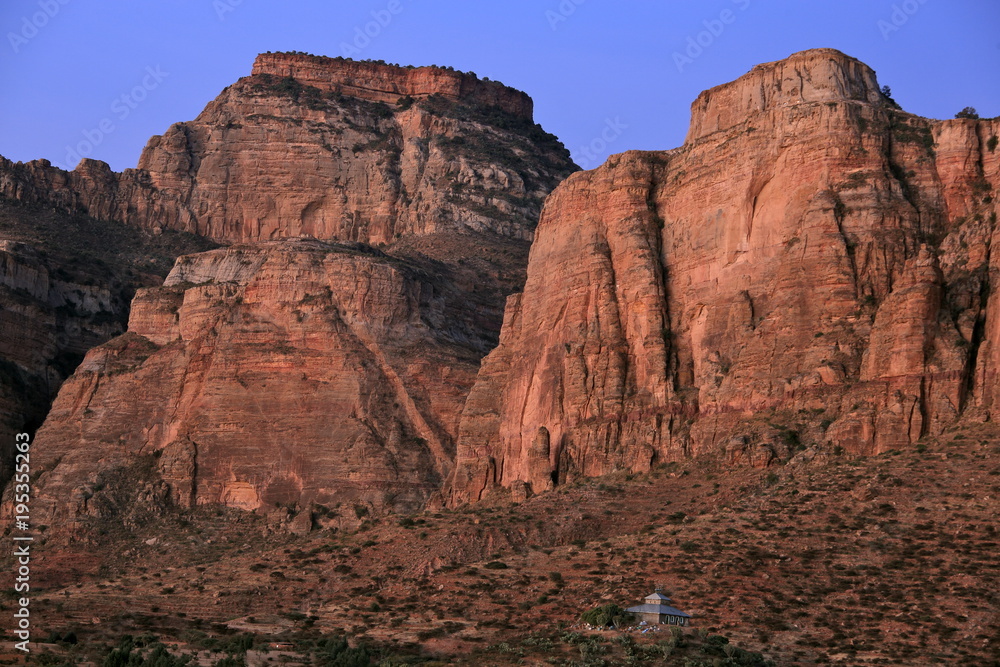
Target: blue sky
115, 72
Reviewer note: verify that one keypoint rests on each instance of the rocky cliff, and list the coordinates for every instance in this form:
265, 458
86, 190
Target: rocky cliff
323, 375
380, 82
329, 148
282, 373
810, 270
65, 285
48, 319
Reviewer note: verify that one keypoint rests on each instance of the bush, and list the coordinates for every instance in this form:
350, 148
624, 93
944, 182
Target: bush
887, 95
128, 654
968, 112
688, 546
609, 615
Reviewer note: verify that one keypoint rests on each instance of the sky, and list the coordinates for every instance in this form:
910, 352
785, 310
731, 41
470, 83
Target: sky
97, 79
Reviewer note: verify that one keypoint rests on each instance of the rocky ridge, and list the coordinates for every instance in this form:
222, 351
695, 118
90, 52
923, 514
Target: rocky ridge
380, 82
308, 146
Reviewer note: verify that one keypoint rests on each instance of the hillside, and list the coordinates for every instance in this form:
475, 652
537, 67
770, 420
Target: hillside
835, 560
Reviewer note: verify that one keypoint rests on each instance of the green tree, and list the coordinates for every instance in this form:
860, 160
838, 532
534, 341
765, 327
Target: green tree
608, 615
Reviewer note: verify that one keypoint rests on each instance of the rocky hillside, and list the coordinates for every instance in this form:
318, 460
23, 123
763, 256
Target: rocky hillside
849, 561
328, 366
811, 270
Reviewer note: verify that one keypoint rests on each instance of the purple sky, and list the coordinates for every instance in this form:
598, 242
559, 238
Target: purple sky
115, 72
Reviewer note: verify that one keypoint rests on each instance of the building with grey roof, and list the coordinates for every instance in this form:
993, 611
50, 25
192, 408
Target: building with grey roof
657, 610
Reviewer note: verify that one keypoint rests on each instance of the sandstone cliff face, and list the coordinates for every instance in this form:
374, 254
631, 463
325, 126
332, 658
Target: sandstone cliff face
294, 373
329, 148
298, 372
65, 285
812, 267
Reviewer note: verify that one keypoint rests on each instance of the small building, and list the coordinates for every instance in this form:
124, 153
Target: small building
657, 610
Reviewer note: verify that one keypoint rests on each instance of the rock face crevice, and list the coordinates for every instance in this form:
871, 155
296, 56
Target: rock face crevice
807, 270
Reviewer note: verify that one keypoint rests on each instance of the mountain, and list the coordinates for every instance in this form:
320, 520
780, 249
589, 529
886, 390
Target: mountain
757, 370
375, 218
810, 271
330, 148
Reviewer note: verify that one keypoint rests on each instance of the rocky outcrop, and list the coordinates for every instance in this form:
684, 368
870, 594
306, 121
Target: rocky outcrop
811, 268
329, 148
288, 370
289, 373
65, 285
380, 82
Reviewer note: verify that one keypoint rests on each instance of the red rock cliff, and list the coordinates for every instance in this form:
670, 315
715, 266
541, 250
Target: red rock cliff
810, 270
329, 148
297, 373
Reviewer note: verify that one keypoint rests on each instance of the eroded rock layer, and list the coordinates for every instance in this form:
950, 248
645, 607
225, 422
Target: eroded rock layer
811, 269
